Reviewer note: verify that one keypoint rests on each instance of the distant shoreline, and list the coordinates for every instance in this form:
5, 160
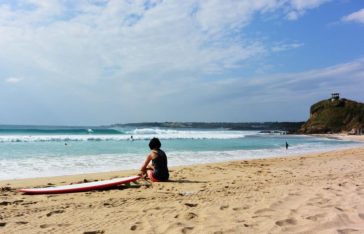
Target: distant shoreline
341, 136
289, 127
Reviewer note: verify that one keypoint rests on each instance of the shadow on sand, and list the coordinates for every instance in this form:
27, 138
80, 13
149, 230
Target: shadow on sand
187, 181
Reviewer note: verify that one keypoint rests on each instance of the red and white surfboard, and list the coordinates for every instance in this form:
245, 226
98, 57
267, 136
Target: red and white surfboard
81, 187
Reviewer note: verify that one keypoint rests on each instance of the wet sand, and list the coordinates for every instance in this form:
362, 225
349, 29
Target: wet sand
316, 193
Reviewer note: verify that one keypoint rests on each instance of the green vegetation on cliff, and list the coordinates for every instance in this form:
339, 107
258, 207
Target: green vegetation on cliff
335, 115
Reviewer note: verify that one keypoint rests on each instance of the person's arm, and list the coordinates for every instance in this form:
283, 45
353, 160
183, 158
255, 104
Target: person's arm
147, 161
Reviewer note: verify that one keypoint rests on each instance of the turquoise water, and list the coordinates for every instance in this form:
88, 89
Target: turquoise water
27, 152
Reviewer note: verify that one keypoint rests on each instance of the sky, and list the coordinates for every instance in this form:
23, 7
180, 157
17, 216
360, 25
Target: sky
95, 62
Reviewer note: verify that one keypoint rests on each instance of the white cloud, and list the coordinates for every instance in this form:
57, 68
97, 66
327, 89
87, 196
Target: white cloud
285, 96
94, 56
278, 93
13, 80
284, 47
160, 39
306, 4
87, 39
299, 7
357, 16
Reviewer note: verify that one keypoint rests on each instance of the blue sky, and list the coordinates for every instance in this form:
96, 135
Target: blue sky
92, 62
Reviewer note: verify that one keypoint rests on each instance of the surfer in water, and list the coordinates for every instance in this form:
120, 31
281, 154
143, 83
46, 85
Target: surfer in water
158, 170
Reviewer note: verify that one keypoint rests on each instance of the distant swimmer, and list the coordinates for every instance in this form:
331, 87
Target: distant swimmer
131, 138
287, 145
65, 144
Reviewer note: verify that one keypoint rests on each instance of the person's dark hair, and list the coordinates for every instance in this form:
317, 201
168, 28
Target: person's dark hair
154, 143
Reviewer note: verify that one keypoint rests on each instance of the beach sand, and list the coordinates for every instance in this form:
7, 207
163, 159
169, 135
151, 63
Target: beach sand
342, 136
316, 193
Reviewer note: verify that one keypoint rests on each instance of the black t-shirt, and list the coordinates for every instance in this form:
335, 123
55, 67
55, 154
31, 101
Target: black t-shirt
160, 165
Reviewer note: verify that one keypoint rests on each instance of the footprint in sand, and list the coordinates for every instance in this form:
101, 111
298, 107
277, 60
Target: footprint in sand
241, 208
190, 216
106, 204
2, 224
135, 226
44, 225
55, 212
187, 229
315, 217
5, 203
286, 222
191, 204
218, 232
21, 222
263, 211
361, 215
94, 232
16, 202
63, 225
223, 207
346, 231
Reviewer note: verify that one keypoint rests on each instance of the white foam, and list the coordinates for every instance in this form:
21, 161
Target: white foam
138, 134
42, 166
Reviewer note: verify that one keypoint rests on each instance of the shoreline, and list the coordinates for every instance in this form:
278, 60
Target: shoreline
115, 173
79, 178
342, 136
317, 192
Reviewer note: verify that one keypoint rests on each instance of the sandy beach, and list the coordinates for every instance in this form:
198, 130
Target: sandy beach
316, 193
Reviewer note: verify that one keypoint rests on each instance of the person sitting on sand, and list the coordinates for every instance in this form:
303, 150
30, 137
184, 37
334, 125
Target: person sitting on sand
158, 171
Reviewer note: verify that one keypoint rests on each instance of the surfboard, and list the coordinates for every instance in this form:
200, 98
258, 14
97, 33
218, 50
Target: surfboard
72, 188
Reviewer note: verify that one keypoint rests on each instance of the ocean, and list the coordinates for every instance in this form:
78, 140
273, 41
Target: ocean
33, 151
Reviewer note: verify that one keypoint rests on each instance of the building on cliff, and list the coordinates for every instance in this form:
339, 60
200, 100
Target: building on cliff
335, 115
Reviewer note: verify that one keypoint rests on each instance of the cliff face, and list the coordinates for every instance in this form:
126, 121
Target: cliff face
333, 116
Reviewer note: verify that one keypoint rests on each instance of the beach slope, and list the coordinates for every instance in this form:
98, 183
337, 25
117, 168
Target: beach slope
316, 193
